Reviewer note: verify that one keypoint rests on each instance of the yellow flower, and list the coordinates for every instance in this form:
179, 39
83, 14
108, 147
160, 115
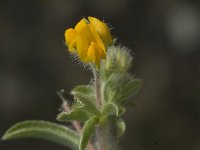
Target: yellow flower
89, 40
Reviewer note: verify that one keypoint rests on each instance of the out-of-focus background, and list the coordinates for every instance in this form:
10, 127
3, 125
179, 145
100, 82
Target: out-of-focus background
164, 36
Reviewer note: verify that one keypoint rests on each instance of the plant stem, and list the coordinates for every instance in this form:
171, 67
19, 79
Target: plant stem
100, 145
76, 124
90, 146
98, 94
66, 108
106, 139
97, 85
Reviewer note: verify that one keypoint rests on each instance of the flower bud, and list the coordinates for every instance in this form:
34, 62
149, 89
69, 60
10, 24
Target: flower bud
89, 40
118, 59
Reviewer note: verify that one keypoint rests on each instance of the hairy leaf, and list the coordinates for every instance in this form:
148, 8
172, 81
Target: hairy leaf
130, 89
85, 91
87, 105
121, 127
114, 85
88, 130
77, 114
110, 109
43, 130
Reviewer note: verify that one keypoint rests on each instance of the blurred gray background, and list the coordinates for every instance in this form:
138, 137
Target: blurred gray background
164, 36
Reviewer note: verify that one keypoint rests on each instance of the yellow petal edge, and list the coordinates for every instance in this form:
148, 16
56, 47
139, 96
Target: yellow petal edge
89, 40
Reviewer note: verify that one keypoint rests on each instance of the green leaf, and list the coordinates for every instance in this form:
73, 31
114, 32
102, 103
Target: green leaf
114, 85
77, 114
87, 105
130, 89
122, 110
43, 130
77, 104
121, 127
85, 91
81, 110
119, 86
88, 130
110, 109
109, 92
85, 98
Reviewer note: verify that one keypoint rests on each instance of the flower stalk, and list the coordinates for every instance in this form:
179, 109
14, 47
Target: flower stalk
98, 106
98, 92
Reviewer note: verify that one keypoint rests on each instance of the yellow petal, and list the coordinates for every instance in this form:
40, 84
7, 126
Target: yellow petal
82, 48
69, 35
103, 54
72, 46
96, 38
80, 24
89, 40
91, 54
94, 53
102, 30
86, 33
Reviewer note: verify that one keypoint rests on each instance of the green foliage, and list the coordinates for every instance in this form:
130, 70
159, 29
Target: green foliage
111, 109
82, 109
44, 130
88, 130
121, 127
119, 87
130, 89
86, 104
118, 60
84, 96
77, 114
85, 91
117, 84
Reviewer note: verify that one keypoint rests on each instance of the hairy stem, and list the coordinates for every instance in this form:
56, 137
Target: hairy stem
95, 72
90, 146
76, 124
99, 144
66, 108
106, 139
98, 93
